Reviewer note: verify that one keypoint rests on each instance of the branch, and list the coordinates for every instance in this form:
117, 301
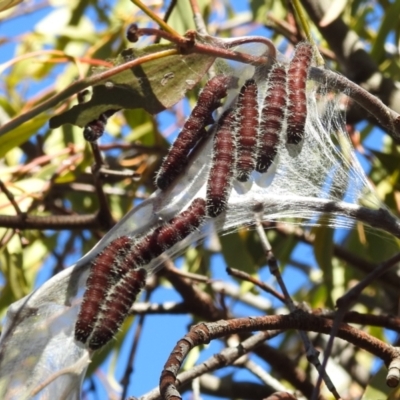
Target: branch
200, 303
388, 118
55, 222
391, 279
205, 332
356, 63
286, 368
312, 354
226, 357
385, 321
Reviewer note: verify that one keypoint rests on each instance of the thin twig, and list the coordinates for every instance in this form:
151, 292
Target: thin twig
388, 118
11, 198
347, 301
300, 320
390, 280
198, 18
226, 357
55, 222
311, 353
163, 308
260, 373
129, 366
80, 85
245, 276
167, 14
200, 302
104, 213
156, 18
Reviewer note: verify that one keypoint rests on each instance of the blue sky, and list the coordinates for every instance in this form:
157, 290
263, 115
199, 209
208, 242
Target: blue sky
156, 342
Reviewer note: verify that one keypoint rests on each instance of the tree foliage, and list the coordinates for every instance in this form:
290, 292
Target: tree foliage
60, 194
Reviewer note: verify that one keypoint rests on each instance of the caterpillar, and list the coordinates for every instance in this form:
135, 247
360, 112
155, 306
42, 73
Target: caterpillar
247, 135
95, 129
116, 306
272, 116
104, 272
223, 165
297, 102
201, 116
120, 297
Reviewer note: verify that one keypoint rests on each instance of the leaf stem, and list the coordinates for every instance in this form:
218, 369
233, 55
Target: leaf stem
78, 86
157, 19
303, 23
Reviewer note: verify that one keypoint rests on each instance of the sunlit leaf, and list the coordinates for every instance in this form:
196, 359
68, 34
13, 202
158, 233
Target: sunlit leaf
21, 134
390, 22
6, 4
154, 86
334, 10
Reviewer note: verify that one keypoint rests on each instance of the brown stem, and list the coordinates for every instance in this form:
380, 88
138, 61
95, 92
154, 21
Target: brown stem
389, 119
312, 354
56, 222
205, 332
129, 366
11, 198
200, 303
246, 277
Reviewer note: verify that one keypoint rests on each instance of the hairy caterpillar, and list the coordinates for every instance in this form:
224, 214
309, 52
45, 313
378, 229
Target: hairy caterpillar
117, 300
95, 129
297, 102
103, 274
247, 135
223, 165
272, 115
193, 129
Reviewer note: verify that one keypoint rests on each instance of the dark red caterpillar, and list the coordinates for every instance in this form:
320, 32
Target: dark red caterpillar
95, 129
120, 297
193, 129
297, 78
223, 165
104, 272
247, 135
168, 234
116, 306
272, 116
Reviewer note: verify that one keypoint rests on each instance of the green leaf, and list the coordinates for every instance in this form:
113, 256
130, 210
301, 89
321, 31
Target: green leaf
261, 8
236, 254
283, 247
14, 273
21, 134
377, 388
323, 250
390, 22
389, 161
154, 86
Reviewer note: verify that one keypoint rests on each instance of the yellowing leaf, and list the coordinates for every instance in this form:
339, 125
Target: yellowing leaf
21, 134
6, 4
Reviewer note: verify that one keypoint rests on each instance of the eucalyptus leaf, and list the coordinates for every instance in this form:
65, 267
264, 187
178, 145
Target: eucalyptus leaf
21, 134
154, 86
323, 250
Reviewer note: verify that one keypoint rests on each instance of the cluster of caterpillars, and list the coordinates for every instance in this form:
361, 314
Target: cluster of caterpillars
246, 139
117, 275
247, 136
